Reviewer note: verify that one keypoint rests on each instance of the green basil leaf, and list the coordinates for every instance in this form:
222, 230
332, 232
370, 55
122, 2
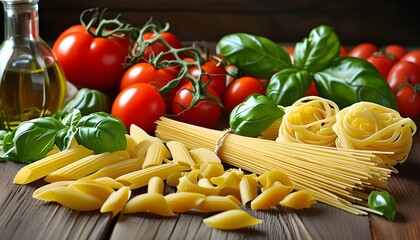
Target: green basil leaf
33, 139
348, 80
65, 136
101, 132
88, 101
384, 203
72, 118
316, 52
288, 85
253, 55
254, 115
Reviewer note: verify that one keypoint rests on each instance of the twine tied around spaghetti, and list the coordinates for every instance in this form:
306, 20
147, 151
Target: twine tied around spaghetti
219, 142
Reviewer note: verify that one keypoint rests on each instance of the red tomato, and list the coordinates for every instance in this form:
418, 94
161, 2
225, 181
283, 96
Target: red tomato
403, 72
205, 113
213, 71
364, 50
312, 91
89, 61
382, 62
159, 46
140, 104
408, 101
412, 56
239, 90
396, 50
343, 51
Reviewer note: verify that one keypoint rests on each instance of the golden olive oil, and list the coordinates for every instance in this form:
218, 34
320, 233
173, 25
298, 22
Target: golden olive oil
28, 95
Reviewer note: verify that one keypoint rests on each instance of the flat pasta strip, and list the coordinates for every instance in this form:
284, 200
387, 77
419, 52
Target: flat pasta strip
148, 202
116, 201
231, 219
86, 166
184, 201
42, 167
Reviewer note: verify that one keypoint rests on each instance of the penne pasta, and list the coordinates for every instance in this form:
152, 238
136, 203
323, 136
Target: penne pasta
185, 185
173, 179
231, 219
40, 191
107, 181
184, 201
156, 185
138, 134
116, 201
268, 178
179, 152
148, 202
203, 155
71, 198
140, 178
92, 188
218, 204
248, 188
271, 196
43, 167
140, 150
118, 169
210, 169
155, 154
298, 200
86, 166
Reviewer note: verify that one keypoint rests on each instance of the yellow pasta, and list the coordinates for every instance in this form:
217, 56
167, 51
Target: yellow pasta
185, 185
248, 188
156, 185
193, 176
370, 126
116, 201
118, 169
218, 204
210, 169
71, 198
203, 155
228, 183
138, 134
173, 179
131, 143
39, 191
268, 178
140, 150
92, 188
86, 166
271, 196
107, 181
180, 202
231, 219
140, 178
42, 167
148, 202
205, 182
155, 155
180, 153
298, 200
309, 120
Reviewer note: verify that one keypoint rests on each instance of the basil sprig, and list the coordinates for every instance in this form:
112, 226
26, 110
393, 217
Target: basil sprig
32, 140
344, 80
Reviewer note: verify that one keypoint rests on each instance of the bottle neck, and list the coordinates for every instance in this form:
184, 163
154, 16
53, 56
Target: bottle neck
21, 21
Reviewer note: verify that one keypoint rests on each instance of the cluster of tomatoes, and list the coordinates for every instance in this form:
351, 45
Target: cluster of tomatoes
400, 67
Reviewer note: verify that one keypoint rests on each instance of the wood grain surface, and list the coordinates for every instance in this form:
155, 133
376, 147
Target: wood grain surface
22, 217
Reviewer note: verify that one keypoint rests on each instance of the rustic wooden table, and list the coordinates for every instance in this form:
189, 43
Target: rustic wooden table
23, 217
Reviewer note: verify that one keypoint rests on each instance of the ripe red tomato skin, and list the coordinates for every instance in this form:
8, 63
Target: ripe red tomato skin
206, 113
408, 102
312, 91
159, 47
88, 61
363, 50
239, 90
140, 104
213, 71
403, 72
382, 62
343, 51
396, 50
412, 56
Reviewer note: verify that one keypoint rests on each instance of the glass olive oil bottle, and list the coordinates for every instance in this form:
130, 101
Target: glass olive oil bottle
32, 84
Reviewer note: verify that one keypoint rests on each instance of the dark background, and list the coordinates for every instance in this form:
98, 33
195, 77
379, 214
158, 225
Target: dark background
380, 22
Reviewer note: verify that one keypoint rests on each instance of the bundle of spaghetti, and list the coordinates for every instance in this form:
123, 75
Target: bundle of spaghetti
369, 126
309, 120
338, 177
